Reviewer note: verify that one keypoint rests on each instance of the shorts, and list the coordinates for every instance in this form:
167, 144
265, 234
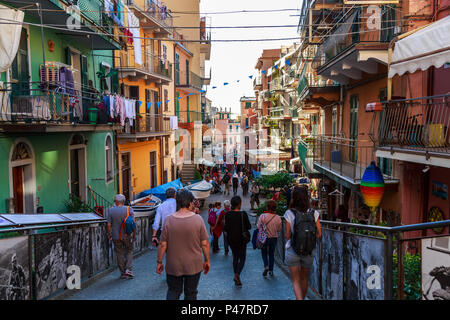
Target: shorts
291, 259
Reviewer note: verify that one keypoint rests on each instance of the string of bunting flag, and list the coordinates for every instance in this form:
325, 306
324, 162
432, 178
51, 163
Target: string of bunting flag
158, 104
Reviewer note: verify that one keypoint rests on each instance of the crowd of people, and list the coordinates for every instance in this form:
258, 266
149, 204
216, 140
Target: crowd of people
182, 238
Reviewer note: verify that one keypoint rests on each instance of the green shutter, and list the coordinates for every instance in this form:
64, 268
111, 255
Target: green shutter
114, 80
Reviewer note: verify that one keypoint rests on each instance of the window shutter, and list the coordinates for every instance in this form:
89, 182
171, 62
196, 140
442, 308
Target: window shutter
115, 80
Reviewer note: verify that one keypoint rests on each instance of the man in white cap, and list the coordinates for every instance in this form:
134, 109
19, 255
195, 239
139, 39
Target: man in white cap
123, 243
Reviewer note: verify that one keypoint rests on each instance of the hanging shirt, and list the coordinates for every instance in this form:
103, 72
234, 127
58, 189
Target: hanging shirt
111, 106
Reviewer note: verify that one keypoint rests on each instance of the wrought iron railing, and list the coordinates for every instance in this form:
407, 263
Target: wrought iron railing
189, 116
97, 203
357, 28
346, 157
158, 11
150, 63
147, 123
417, 124
50, 102
191, 79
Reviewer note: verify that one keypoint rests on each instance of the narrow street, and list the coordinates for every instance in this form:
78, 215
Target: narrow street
217, 284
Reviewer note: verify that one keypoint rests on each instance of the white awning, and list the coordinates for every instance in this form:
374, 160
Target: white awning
426, 47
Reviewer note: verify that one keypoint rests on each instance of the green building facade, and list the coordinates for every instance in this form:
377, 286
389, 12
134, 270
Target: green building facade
48, 153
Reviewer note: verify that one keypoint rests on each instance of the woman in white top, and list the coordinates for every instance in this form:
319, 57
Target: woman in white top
299, 265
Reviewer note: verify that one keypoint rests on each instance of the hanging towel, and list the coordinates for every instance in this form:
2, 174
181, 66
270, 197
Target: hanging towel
133, 23
173, 122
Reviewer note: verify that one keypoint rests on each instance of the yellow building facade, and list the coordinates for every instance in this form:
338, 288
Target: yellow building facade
143, 144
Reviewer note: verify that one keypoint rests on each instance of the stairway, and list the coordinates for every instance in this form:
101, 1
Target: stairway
188, 173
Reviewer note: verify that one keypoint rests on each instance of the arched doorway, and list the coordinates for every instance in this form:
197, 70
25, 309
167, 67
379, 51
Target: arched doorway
77, 167
22, 182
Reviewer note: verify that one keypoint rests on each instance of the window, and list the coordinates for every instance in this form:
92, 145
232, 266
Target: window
248, 105
237, 128
165, 177
246, 122
385, 165
153, 170
166, 146
246, 139
166, 97
164, 55
231, 128
109, 159
334, 122
177, 69
187, 72
231, 141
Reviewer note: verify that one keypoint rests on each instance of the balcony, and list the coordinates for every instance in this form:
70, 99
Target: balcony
276, 85
88, 12
280, 113
307, 155
311, 83
357, 46
344, 160
150, 14
188, 117
257, 83
189, 82
42, 110
153, 68
205, 39
146, 127
414, 130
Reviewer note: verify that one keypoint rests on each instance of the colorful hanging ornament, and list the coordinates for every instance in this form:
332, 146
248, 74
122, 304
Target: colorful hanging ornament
372, 186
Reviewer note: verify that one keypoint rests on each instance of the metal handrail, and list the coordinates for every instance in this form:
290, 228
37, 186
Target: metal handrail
52, 225
404, 228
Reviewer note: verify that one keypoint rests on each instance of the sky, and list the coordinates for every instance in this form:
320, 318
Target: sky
232, 61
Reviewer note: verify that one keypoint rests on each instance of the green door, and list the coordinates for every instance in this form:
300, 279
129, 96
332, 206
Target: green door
187, 72
353, 127
187, 109
20, 68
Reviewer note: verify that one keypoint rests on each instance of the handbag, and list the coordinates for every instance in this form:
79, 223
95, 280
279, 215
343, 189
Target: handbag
245, 233
262, 234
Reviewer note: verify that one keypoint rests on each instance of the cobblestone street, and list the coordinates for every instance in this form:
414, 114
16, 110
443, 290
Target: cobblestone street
217, 284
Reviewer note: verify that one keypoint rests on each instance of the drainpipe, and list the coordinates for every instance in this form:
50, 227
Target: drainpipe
341, 108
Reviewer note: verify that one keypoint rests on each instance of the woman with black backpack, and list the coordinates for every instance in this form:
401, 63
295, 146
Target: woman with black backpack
302, 229
237, 226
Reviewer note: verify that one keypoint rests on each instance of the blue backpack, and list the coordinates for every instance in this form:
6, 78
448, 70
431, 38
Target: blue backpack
129, 224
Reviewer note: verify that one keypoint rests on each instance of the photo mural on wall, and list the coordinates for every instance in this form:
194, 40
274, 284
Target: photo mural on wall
436, 268
332, 265
362, 258
51, 253
14, 269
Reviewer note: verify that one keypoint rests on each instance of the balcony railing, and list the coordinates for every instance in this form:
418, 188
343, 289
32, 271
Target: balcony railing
41, 103
160, 13
358, 28
191, 79
346, 158
147, 124
151, 64
189, 116
276, 84
416, 125
257, 82
280, 112
310, 79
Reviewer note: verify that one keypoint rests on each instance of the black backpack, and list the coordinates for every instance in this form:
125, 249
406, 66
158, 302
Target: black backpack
226, 178
303, 238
